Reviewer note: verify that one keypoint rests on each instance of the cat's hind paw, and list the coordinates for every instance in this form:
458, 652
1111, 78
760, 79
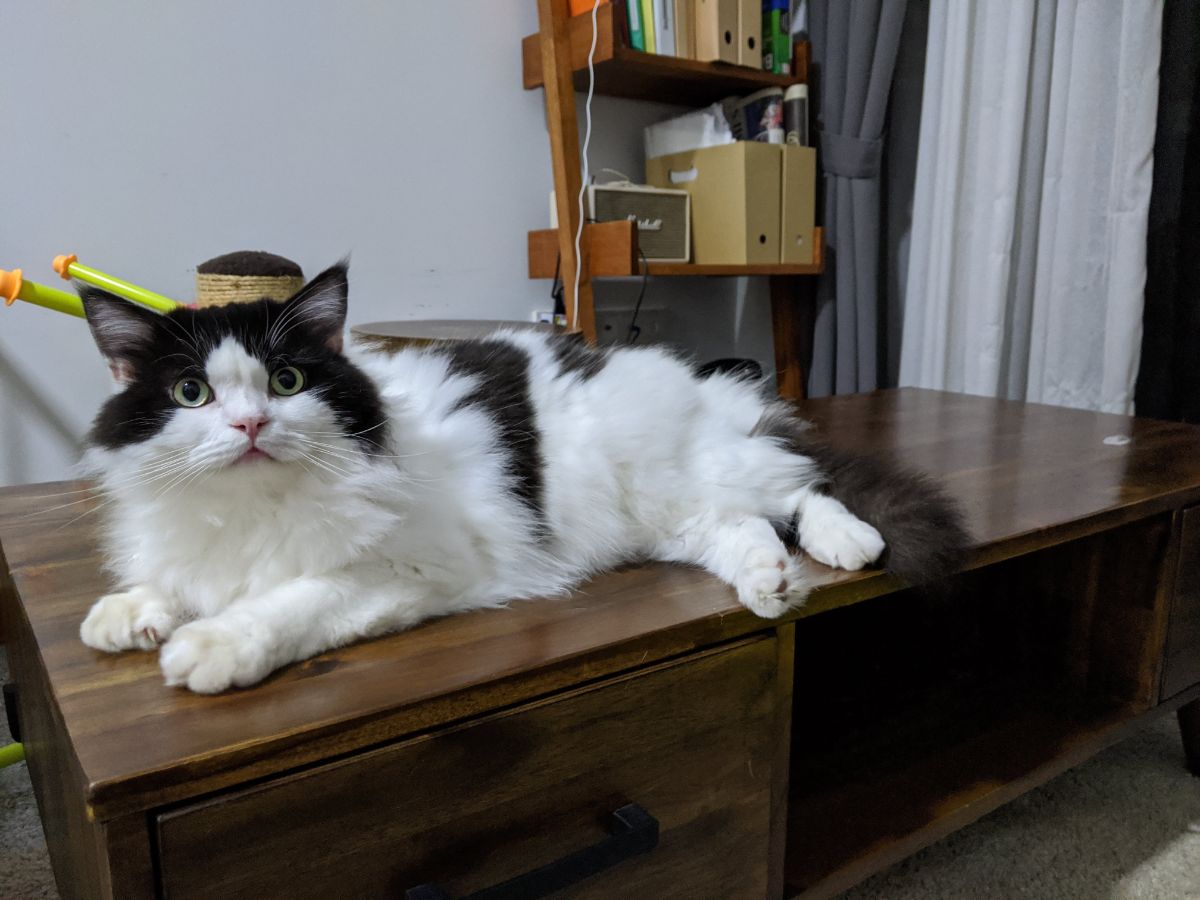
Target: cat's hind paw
770, 583
209, 657
137, 619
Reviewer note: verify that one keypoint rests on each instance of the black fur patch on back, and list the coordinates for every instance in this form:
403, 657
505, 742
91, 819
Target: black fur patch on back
181, 343
923, 527
503, 392
577, 358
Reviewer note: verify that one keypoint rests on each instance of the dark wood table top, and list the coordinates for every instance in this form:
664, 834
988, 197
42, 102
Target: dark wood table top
1028, 475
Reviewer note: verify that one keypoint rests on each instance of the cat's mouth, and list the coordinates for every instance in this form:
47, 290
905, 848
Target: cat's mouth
254, 453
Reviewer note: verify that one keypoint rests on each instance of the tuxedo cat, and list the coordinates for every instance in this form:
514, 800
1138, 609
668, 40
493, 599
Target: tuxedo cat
272, 496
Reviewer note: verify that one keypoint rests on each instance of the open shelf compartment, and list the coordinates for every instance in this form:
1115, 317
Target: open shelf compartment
622, 71
916, 714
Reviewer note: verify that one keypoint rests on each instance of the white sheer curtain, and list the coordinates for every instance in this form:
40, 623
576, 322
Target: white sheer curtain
1028, 254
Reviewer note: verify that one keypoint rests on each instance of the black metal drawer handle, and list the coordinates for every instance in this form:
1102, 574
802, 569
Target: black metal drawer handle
633, 830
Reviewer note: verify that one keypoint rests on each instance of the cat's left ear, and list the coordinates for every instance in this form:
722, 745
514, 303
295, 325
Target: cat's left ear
323, 303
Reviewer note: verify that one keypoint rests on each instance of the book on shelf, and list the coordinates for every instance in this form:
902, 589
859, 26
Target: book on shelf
648, 26
637, 36
664, 27
776, 37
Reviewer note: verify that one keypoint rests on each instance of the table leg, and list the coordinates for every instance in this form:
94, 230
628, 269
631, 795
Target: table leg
791, 303
1189, 730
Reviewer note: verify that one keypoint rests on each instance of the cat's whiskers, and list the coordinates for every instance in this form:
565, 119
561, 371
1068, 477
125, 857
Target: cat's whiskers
402, 475
161, 464
352, 452
86, 512
202, 474
107, 492
269, 340
297, 313
301, 316
353, 433
327, 466
180, 478
43, 512
364, 452
102, 488
329, 451
187, 339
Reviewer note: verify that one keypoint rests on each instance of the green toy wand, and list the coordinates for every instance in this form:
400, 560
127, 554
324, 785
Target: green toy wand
14, 286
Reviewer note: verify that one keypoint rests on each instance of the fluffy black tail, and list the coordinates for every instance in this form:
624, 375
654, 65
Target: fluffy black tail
926, 536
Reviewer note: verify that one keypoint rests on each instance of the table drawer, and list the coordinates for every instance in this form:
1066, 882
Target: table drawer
691, 741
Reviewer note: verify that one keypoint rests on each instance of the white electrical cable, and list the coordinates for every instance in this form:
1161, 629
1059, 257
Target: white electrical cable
587, 137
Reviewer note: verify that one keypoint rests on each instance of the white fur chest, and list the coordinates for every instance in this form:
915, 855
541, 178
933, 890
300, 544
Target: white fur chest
210, 547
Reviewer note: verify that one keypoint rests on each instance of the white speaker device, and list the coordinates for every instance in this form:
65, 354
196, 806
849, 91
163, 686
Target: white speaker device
663, 216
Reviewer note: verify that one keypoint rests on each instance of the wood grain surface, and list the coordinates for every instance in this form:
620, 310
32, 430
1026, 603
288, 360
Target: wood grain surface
1028, 476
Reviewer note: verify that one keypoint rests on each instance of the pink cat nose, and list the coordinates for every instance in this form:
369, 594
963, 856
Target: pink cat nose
250, 426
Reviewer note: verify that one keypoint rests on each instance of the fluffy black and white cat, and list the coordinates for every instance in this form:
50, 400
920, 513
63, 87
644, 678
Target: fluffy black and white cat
272, 497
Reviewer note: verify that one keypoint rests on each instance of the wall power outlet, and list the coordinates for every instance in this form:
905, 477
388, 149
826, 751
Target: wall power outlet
612, 324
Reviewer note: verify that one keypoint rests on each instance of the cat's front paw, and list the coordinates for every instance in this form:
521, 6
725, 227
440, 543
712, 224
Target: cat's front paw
841, 540
770, 583
209, 657
139, 619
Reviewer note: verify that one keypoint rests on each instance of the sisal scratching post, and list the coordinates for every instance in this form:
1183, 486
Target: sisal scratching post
246, 275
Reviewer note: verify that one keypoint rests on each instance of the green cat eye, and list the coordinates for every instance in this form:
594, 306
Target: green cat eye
191, 392
287, 381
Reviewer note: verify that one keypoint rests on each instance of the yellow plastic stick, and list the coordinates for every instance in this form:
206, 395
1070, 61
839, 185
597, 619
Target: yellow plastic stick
68, 268
13, 287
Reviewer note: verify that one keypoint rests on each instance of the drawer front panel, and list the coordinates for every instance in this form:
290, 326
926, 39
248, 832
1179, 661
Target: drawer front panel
1182, 668
690, 741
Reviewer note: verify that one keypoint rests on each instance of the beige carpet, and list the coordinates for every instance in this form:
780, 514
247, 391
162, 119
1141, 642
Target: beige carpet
1125, 825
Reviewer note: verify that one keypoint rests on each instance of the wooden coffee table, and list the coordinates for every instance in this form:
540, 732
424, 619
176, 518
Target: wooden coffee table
745, 758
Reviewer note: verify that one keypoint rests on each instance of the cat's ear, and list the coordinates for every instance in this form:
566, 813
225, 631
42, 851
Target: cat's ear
323, 303
125, 332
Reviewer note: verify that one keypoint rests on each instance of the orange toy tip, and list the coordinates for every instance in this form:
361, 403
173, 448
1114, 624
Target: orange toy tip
10, 285
62, 265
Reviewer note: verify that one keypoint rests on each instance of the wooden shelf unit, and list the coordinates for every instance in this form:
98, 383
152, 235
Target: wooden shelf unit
555, 59
611, 251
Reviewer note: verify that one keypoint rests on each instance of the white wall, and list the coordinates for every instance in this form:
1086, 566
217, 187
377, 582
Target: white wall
147, 137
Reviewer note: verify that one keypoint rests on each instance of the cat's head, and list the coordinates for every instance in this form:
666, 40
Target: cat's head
249, 388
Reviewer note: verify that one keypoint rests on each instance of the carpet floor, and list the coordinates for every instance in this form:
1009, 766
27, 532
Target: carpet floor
1124, 826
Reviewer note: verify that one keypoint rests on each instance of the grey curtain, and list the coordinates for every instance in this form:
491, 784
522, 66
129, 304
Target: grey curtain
854, 45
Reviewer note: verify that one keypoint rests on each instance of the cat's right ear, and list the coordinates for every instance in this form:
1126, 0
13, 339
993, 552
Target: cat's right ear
323, 301
123, 331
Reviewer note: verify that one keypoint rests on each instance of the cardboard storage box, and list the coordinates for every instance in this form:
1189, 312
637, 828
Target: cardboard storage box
798, 206
736, 209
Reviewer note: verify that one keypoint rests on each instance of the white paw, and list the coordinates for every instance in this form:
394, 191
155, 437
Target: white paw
770, 583
137, 618
841, 540
209, 657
